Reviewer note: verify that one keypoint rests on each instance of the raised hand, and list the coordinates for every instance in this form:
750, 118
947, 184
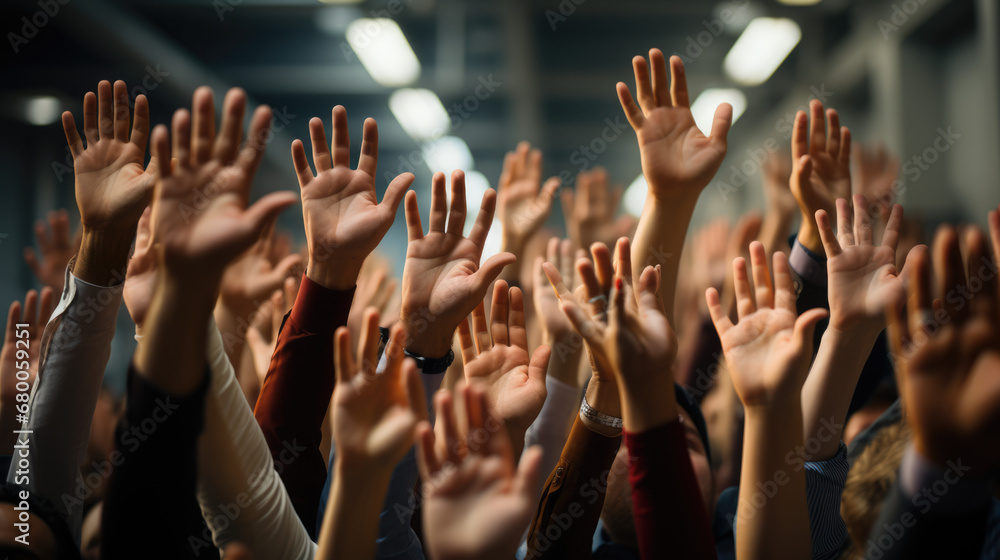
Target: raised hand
523, 204
56, 250
589, 210
768, 349
20, 353
199, 224
343, 218
262, 337
253, 276
112, 187
821, 167
780, 202
442, 278
862, 276
947, 352
495, 356
375, 289
555, 325
375, 414
475, 504
678, 160
877, 170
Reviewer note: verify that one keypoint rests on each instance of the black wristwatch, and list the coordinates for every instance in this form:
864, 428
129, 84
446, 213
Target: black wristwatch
425, 365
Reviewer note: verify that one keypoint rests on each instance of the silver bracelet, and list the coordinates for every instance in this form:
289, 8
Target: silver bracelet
592, 414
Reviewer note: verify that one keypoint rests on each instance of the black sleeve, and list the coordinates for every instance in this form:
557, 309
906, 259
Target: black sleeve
151, 510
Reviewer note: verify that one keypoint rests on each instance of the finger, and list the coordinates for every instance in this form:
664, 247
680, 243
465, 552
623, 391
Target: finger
662, 91
980, 278
368, 342
253, 150
414, 229
227, 144
920, 294
565, 260
784, 288
763, 291
817, 128
394, 193
439, 203
278, 306
845, 223
484, 220
181, 132
623, 259
426, 459
32, 260
105, 110
444, 405
516, 330
603, 265
474, 420
456, 214
520, 161
90, 130
720, 319
341, 148
893, 227
591, 286
59, 222
826, 234
121, 110
13, 318
465, 342
948, 262
481, 328
344, 364
72, 135
539, 363
368, 160
533, 169
633, 113
507, 171
322, 160
499, 311
617, 314
140, 123
721, 122
678, 83
643, 85
203, 125
844, 156
744, 297
862, 222
805, 328
548, 195
302, 170
833, 133
800, 137
160, 147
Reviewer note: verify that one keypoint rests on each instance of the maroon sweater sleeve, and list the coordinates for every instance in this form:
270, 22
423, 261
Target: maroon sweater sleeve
297, 391
671, 520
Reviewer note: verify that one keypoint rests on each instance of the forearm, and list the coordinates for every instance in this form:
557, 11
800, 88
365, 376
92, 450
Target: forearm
808, 234
76, 346
297, 390
550, 429
780, 527
774, 231
173, 354
158, 467
233, 332
659, 240
103, 256
827, 393
351, 523
671, 518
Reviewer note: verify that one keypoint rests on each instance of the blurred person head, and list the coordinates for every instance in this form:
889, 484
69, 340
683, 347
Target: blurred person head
50, 537
880, 401
869, 481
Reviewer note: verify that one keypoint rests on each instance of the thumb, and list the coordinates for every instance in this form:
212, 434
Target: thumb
539, 363
526, 477
805, 328
491, 269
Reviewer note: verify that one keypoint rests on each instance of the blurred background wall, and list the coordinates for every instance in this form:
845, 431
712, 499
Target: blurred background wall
457, 83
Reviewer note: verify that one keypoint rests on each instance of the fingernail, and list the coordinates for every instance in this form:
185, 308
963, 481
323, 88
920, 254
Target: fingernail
618, 283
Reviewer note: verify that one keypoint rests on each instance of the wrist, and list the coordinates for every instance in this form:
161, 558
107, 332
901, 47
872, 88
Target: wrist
423, 341
666, 196
603, 397
808, 235
648, 408
103, 256
856, 338
340, 275
362, 472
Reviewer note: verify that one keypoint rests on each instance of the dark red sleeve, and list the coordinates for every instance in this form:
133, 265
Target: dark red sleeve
671, 520
297, 391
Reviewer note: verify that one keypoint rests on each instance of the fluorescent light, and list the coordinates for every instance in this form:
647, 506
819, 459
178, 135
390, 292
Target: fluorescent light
635, 196
762, 47
446, 154
384, 51
42, 110
704, 107
799, 2
419, 112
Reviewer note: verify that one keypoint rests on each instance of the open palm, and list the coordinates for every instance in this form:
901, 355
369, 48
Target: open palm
522, 204
442, 279
340, 207
768, 349
862, 276
676, 156
112, 187
819, 180
498, 359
